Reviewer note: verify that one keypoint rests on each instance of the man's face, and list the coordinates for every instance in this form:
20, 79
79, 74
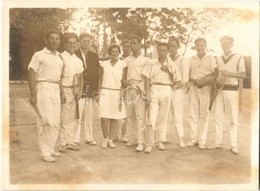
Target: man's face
85, 43
200, 47
70, 45
135, 45
53, 41
173, 47
226, 45
126, 48
162, 51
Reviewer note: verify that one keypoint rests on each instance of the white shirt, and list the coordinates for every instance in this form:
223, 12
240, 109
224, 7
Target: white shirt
47, 65
232, 63
135, 66
72, 65
182, 66
112, 75
201, 67
152, 70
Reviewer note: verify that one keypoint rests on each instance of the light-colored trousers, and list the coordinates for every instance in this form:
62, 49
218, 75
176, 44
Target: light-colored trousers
199, 113
88, 110
226, 101
177, 111
48, 102
159, 111
135, 113
69, 122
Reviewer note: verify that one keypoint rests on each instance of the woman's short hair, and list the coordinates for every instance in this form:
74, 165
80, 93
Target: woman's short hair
110, 48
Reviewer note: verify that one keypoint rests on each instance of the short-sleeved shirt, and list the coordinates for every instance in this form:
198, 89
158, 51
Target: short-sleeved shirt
112, 75
232, 63
153, 71
72, 65
182, 66
47, 65
201, 67
135, 66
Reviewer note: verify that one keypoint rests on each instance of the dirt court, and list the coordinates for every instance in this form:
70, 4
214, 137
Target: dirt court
122, 165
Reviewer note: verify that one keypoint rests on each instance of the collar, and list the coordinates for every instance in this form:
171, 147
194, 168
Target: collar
65, 53
83, 52
228, 55
206, 55
47, 51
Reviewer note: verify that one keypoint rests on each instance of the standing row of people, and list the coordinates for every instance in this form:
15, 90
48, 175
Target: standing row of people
158, 85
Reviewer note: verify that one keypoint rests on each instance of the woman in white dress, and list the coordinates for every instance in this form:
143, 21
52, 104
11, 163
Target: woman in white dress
111, 108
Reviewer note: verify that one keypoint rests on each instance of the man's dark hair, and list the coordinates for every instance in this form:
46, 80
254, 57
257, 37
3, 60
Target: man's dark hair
174, 39
163, 44
229, 38
136, 37
200, 40
70, 35
82, 35
53, 31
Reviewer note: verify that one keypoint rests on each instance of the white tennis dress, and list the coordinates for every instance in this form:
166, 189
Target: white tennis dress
110, 90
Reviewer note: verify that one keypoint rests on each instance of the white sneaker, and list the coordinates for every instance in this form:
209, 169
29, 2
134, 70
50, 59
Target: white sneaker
202, 146
104, 144
111, 144
55, 154
192, 143
124, 139
48, 159
139, 147
131, 143
235, 150
181, 143
214, 146
148, 149
161, 146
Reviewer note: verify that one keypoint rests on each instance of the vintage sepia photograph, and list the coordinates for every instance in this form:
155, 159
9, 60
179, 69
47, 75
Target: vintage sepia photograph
113, 95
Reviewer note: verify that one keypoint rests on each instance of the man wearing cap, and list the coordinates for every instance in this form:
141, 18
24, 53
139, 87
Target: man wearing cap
161, 74
88, 105
232, 66
45, 70
69, 122
200, 65
177, 93
135, 112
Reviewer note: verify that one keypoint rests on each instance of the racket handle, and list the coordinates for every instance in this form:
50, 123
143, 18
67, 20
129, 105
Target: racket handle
77, 108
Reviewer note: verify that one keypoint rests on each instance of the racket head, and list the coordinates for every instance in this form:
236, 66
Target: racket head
76, 84
130, 94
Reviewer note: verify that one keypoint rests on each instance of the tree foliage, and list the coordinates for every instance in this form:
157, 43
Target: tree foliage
27, 29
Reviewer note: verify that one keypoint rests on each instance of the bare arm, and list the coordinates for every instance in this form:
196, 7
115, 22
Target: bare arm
124, 78
241, 75
100, 74
32, 85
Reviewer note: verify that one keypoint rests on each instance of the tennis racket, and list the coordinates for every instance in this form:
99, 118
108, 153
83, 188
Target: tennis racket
76, 91
216, 87
131, 94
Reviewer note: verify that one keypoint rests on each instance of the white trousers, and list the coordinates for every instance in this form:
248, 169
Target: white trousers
159, 110
48, 102
69, 122
135, 113
88, 110
226, 101
177, 111
199, 113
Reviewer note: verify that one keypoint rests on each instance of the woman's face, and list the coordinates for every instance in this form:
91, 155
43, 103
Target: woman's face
114, 53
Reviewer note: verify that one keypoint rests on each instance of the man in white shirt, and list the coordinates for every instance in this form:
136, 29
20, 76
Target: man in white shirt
72, 65
232, 66
47, 94
161, 74
200, 65
135, 112
178, 90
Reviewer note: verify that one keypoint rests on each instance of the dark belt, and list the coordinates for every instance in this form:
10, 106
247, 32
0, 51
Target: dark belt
67, 86
110, 89
230, 87
162, 84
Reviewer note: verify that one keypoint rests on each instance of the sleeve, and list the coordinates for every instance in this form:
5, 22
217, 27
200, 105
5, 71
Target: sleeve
185, 70
173, 69
241, 65
213, 64
147, 70
35, 62
80, 68
123, 64
102, 64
